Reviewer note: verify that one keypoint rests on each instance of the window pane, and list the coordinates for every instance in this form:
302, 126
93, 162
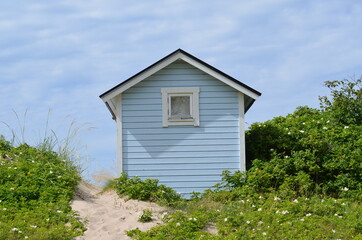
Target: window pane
180, 107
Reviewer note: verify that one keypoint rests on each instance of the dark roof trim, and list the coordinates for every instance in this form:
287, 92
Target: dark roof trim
190, 56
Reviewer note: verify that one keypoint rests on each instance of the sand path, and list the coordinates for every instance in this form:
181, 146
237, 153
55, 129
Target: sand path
108, 216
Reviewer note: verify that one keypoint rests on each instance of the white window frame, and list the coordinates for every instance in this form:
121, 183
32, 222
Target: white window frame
167, 93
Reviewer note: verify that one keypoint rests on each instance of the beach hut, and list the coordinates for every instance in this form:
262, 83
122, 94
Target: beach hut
181, 121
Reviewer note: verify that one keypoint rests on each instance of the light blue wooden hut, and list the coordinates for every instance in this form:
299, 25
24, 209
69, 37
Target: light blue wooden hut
181, 121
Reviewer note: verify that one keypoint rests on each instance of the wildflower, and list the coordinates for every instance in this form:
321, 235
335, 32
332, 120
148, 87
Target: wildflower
47, 219
26, 237
334, 231
340, 216
343, 204
303, 123
336, 214
242, 201
285, 212
12, 188
259, 209
325, 128
328, 121
59, 176
248, 222
260, 222
15, 229
272, 149
253, 205
58, 211
295, 200
33, 226
308, 214
178, 224
322, 200
218, 210
225, 220
301, 131
302, 220
241, 213
345, 127
289, 133
264, 233
4, 208
260, 197
345, 189
277, 212
248, 200
276, 199
50, 172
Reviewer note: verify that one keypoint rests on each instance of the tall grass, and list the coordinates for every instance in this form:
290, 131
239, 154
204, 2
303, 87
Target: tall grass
67, 147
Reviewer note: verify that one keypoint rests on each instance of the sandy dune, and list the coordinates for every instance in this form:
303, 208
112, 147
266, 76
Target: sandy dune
108, 216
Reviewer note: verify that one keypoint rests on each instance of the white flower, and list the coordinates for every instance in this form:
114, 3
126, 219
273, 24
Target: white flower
253, 205
58, 211
276, 199
322, 200
264, 233
289, 133
225, 220
333, 230
302, 220
328, 121
277, 212
260, 222
248, 222
33, 226
259, 209
303, 123
325, 128
178, 224
308, 214
343, 204
345, 127
14, 229
59, 176
26, 237
4, 208
272, 149
295, 200
12, 188
50, 172
47, 219
260, 197
241, 213
285, 212
340, 216
301, 131
345, 189
336, 214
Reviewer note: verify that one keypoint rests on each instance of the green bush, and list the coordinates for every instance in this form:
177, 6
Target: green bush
145, 190
36, 187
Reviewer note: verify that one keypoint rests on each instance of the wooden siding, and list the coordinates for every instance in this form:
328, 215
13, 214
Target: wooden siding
186, 158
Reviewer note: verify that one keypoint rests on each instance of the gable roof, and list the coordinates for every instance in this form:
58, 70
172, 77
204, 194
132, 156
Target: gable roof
109, 95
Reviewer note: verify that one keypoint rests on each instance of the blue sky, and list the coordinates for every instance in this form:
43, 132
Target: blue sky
61, 55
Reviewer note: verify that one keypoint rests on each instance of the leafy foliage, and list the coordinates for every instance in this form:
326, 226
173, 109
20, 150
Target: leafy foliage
36, 187
146, 216
303, 180
145, 190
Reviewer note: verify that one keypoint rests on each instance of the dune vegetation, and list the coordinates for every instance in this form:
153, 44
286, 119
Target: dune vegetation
303, 182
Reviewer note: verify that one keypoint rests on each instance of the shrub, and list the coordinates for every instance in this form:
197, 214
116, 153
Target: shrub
36, 187
145, 190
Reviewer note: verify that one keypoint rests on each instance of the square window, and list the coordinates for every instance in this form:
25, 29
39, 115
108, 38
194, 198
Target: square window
180, 106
